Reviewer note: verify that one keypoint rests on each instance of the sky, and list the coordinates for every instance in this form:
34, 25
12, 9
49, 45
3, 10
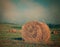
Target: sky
22, 11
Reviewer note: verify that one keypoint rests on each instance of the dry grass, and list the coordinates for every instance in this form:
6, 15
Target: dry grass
6, 41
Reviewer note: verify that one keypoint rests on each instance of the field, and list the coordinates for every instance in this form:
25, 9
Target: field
14, 39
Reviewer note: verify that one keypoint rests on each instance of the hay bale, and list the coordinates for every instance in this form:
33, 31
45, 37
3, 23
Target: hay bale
12, 30
35, 32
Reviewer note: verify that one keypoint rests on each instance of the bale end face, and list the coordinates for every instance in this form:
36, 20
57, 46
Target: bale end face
36, 32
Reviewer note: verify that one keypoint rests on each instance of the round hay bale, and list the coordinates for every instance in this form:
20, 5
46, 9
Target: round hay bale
35, 32
12, 30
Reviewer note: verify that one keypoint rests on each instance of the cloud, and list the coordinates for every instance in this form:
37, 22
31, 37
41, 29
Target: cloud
26, 11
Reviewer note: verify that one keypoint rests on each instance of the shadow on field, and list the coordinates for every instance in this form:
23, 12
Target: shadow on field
17, 38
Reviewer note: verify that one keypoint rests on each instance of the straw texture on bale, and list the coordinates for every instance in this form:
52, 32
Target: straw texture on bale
35, 32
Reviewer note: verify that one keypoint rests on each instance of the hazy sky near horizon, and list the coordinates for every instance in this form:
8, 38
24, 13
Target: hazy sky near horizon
22, 11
